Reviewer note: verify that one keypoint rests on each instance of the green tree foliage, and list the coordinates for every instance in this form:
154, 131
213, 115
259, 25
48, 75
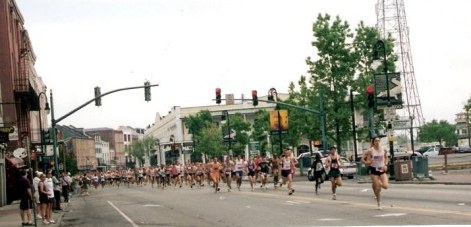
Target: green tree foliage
196, 124
70, 162
342, 62
260, 129
142, 148
241, 128
332, 72
441, 132
210, 141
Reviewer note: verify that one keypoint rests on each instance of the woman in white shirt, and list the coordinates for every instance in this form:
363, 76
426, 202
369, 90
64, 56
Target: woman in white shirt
376, 157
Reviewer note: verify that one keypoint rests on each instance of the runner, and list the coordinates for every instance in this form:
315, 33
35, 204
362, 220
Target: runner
250, 168
275, 169
334, 164
239, 171
264, 170
257, 159
215, 174
377, 159
287, 166
199, 175
228, 170
318, 168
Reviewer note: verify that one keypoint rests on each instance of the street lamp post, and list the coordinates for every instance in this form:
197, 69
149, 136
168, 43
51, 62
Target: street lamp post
273, 96
54, 136
381, 45
41, 123
225, 113
354, 129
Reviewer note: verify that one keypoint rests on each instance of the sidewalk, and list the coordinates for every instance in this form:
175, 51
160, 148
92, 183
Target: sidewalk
10, 215
453, 177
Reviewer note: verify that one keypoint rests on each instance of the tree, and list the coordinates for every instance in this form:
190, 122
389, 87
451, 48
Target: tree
142, 148
240, 127
260, 129
441, 132
137, 150
343, 62
210, 141
196, 124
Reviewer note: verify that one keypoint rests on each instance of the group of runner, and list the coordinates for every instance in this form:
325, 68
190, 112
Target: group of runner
255, 169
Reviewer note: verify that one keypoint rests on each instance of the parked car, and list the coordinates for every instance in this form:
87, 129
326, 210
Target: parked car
423, 149
464, 149
348, 169
306, 158
432, 152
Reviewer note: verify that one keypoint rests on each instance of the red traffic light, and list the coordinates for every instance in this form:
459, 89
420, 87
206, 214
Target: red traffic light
254, 93
370, 90
218, 91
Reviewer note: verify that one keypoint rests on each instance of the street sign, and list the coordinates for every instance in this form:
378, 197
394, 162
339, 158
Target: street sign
393, 81
401, 124
389, 113
8, 129
279, 120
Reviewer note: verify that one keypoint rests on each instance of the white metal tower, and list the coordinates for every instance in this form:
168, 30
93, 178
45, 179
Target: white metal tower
391, 19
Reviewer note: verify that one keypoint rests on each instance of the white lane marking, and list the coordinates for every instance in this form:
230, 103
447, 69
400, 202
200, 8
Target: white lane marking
461, 204
330, 219
292, 202
301, 201
152, 205
124, 215
390, 215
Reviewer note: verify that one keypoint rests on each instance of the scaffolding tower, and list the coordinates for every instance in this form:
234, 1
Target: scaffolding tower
391, 20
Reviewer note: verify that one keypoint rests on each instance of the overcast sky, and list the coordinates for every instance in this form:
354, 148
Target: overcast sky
190, 47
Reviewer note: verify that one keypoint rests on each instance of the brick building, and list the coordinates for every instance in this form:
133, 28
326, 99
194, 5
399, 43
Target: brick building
115, 138
22, 92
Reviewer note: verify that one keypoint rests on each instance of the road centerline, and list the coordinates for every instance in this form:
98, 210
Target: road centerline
123, 214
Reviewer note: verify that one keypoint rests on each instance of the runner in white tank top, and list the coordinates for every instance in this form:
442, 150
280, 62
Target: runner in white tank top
377, 160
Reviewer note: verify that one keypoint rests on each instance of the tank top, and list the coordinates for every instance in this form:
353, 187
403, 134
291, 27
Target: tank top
377, 158
251, 167
239, 164
334, 163
286, 164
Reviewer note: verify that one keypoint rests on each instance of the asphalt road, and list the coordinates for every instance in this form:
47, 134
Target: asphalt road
355, 205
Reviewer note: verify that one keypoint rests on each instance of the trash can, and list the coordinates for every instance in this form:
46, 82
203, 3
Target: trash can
420, 166
402, 168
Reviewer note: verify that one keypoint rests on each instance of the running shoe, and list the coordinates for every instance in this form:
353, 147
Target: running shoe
291, 192
334, 197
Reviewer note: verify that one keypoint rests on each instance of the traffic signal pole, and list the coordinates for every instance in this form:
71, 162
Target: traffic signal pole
319, 113
55, 121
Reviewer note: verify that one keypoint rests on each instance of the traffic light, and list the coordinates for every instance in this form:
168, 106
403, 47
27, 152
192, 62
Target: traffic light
147, 91
97, 96
254, 98
218, 95
370, 91
46, 137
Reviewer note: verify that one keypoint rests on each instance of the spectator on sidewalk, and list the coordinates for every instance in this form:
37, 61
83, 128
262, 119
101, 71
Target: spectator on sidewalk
65, 183
49, 185
26, 195
57, 193
36, 181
